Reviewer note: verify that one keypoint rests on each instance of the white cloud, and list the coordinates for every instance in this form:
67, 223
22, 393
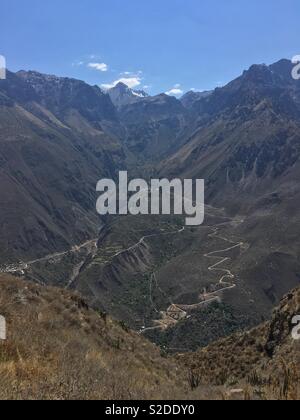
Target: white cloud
98, 66
131, 82
175, 91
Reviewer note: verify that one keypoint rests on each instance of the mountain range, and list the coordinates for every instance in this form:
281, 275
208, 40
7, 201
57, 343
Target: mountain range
181, 288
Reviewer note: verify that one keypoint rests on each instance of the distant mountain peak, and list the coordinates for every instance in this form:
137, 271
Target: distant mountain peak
279, 73
122, 95
121, 86
192, 96
60, 94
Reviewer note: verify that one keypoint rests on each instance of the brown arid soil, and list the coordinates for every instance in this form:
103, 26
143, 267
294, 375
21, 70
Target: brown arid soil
58, 348
264, 361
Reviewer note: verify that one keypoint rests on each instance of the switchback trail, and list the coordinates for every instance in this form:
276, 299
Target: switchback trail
216, 267
206, 298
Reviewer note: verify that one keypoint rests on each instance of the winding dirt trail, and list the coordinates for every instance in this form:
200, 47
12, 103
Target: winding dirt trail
22, 266
216, 267
142, 240
227, 274
226, 280
207, 298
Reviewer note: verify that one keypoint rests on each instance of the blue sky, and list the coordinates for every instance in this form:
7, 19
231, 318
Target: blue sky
159, 45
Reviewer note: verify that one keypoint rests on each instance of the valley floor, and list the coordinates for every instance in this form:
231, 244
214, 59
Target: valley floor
180, 287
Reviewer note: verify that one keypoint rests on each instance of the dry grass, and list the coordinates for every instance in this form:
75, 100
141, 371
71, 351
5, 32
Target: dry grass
58, 348
264, 362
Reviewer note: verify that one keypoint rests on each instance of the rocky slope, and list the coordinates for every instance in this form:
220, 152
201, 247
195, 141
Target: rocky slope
246, 140
58, 348
155, 126
267, 359
57, 139
191, 97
